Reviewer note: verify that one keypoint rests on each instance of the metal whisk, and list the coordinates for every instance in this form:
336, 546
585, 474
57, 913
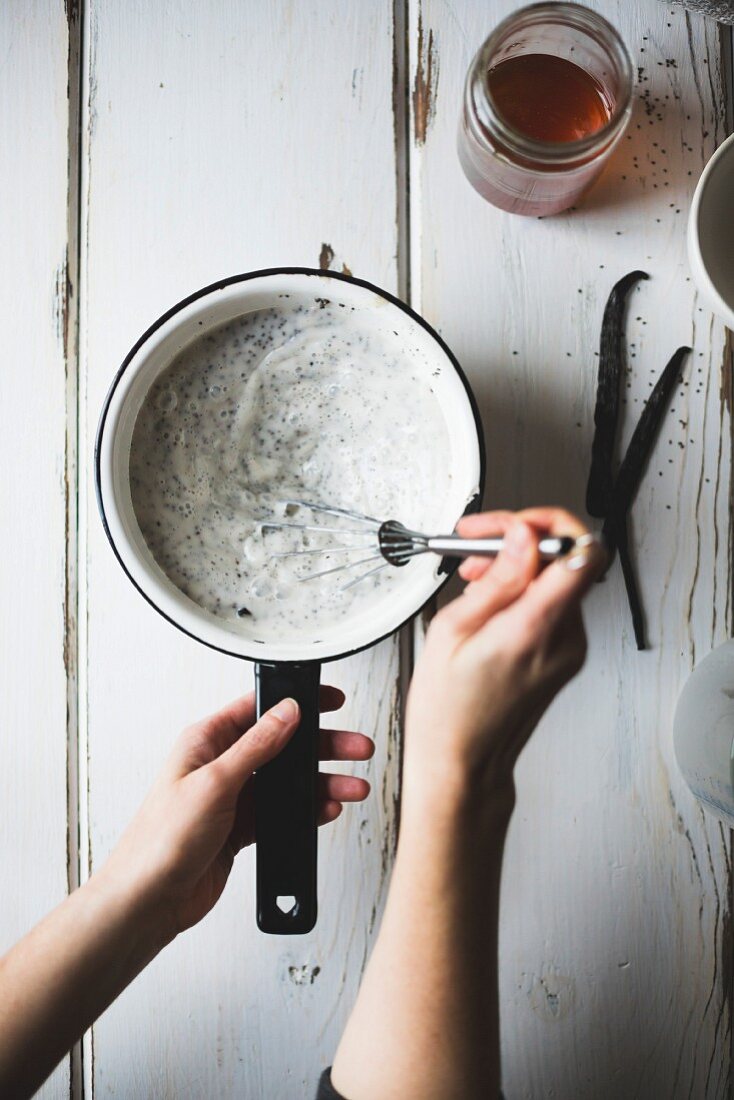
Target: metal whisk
389, 542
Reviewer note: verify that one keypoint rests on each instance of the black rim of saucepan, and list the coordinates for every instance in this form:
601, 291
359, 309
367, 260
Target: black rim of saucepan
285, 789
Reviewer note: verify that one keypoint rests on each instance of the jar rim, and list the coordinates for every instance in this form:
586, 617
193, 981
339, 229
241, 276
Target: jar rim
548, 152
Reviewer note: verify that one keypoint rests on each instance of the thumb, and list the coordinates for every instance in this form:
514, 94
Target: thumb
260, 743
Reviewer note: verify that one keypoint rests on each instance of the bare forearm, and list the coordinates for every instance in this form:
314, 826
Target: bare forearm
426, 1020
64, 973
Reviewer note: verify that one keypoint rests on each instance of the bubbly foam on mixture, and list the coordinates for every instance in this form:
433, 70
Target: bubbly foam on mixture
305, 402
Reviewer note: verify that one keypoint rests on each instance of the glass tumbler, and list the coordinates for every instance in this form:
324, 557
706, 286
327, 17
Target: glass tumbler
518, 172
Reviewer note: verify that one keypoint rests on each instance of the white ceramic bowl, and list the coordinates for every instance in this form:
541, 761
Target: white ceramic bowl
711, 233
703, 732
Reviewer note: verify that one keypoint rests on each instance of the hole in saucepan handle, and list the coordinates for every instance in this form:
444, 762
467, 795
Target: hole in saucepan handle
287, 904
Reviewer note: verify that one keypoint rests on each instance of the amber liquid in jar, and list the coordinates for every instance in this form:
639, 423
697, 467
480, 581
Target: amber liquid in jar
548, 98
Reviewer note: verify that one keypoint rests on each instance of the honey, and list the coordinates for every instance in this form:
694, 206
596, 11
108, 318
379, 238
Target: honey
548, 98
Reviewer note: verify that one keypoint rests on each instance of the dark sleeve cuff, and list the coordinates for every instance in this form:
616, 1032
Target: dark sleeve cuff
328, 1092
326, 1089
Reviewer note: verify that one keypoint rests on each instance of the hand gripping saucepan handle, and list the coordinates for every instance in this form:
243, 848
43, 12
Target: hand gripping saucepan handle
286, 805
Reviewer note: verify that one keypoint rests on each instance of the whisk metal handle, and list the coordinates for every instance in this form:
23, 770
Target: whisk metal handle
452, 546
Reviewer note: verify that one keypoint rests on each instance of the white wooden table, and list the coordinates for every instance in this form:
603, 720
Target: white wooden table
151, 147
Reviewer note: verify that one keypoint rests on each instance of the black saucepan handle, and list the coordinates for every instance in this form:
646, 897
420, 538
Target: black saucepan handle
286, 805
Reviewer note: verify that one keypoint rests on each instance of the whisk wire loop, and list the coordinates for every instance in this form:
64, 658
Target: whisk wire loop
329, 510
340, 568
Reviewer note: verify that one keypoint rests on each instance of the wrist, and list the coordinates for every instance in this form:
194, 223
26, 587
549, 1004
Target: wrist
451, 843
452, 795
148, 921
460, 781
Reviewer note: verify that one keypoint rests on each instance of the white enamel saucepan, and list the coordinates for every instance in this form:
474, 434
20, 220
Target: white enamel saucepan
285, 790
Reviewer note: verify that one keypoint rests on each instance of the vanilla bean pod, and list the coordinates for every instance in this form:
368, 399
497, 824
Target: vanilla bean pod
606, 412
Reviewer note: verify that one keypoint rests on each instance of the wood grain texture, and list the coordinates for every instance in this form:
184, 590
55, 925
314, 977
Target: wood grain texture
616, 933
228, 136
218, 138
33, 489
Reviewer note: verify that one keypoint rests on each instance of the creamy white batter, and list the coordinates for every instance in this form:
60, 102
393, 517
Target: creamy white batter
302, 401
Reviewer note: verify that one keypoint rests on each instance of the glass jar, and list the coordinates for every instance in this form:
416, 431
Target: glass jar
523, 174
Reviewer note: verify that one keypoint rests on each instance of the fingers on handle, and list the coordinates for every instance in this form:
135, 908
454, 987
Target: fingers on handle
330, 698
334, 790
570, 577
343, 788
481, 526
562, 582
554, 521
329, 811
259, 744
227, 725
210, 737
545, 520
567, 581
513, 570
553, 600
345, 745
